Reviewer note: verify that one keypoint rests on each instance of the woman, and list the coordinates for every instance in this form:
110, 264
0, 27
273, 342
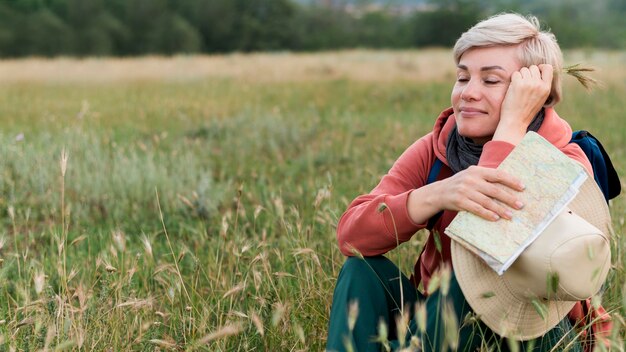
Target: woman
508, 80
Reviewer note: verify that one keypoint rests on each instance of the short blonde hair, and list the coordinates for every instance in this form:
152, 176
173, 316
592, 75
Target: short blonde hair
536, 46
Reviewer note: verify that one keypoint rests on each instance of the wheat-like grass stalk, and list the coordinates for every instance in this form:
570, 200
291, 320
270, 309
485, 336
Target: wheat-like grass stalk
581, 74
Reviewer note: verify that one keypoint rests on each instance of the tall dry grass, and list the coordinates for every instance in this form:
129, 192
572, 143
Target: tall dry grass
190, 203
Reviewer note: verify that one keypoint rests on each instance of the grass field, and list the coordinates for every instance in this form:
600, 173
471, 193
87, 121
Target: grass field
190, 203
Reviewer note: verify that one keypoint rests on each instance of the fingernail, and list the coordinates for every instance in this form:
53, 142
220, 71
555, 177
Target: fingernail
522, 186
496, 217
519, 204
508, 214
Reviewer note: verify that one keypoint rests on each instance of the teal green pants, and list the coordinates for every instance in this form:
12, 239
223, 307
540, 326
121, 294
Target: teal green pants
374, 283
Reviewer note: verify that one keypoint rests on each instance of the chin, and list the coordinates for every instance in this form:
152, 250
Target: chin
477, 137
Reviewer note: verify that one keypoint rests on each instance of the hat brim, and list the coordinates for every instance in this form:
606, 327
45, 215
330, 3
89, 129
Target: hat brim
496, 304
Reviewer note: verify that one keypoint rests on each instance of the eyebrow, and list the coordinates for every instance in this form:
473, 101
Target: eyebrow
485, 68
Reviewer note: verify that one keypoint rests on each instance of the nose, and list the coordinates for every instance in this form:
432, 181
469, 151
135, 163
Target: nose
471, 91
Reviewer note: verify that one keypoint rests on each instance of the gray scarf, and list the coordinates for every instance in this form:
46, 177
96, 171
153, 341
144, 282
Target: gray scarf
462, 152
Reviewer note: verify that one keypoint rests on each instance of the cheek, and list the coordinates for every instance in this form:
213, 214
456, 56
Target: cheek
497, 98
455, 96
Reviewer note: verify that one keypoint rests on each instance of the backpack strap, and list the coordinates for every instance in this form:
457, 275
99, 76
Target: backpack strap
435, 169
603, 171
432, 177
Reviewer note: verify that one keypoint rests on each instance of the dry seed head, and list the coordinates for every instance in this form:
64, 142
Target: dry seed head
224, 228
420, 314
451, 326
596, 301
257, 323
64, 157
280, 208
226, 331
257, 211
25, 321
181, 255
238, 314
78, 240
322, 194
240, 287
52, 332
119, 238
300, 333
146, 245
415, 343
39, 280
353, 313
580, 73
163, 343
355, 251
113, 251
136, 303
11, 212
79, 293
186, 201
161, 314
402, 324
445, 279
278, 313
283, 274
383, 335
131, 272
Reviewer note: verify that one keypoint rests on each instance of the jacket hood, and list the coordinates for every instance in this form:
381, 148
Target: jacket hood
554, 129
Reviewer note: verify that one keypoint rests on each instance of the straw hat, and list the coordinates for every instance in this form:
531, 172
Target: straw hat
568, 262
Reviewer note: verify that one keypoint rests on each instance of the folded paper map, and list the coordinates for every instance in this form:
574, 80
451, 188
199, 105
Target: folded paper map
552, 180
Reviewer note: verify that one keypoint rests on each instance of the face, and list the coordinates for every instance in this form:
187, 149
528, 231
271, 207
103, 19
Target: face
482, 79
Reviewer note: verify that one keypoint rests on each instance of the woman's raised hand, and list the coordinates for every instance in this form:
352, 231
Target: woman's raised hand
527, 93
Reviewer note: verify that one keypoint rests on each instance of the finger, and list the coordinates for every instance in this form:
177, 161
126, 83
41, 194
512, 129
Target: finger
476, 208
502, 177
503, 199
494, 207
547, 72
534, 71
525, 72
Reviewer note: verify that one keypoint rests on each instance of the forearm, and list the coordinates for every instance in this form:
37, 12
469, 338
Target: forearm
375, 224
512, 132
424, 202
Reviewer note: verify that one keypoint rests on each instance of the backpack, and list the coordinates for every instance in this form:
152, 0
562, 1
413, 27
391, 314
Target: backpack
603, 171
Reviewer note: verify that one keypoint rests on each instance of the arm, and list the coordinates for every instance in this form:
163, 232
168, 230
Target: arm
410, 203
373, 232
527, 93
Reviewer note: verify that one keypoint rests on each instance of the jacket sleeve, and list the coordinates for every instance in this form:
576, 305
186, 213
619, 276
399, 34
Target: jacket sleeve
495, 152
377, 222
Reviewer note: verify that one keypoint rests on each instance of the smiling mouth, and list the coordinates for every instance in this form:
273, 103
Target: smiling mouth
472, 112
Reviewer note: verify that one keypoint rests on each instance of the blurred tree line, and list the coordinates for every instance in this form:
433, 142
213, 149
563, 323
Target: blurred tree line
138, 27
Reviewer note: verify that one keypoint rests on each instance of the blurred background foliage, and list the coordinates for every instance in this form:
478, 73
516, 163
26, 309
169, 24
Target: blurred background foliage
143, 27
